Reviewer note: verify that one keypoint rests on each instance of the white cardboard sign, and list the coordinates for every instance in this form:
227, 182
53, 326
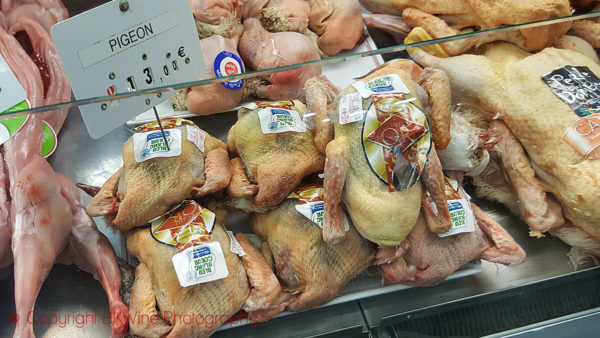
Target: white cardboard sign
107, 51
11, 91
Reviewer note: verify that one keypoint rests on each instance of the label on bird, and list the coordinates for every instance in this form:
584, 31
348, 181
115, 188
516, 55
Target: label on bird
312, 203
461, 214
234, 245
278, 120
576, 86
167, 123
350, 109
152, 144
200, 264
584, 136
396, 140
266, 104
196, 136
383, 84
186, 225
227, 64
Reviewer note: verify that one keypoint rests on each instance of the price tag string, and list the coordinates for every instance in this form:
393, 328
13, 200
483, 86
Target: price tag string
161, 128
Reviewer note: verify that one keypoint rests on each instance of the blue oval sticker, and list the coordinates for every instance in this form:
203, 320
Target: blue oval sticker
227, 63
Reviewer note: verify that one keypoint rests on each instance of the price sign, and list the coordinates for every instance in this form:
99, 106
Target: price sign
124, 46
11, 91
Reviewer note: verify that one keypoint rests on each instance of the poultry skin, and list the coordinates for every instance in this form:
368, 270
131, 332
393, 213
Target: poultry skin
141, 191
306, 264
156, 292
261, 49
275, 162
379, 215
446, 18
513, 87
424, 259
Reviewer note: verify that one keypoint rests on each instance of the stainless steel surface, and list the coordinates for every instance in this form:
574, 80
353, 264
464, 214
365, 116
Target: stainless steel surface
582, 324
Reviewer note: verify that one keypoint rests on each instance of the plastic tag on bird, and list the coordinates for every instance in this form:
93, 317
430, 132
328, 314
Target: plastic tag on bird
461, 214
196, 136
185, 225
312, 205
200, 264
351, 108
279, 120
396, 139
152, 144
383, 84
234, 245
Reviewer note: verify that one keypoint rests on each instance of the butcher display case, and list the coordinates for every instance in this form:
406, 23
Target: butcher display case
544, 295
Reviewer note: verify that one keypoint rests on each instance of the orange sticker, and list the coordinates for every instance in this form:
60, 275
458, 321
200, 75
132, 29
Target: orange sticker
584, 136
186, 225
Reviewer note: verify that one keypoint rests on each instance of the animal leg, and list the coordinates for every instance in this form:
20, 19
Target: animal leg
537, 210
437, 28
144, 320
92, 252
239, 185
336, 165
436, 84
265, 286
320, 94
218, 173
105, 201
265, 250
504, 249
438, 215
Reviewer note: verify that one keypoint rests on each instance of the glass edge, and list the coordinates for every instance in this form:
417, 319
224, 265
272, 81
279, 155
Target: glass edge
329, 60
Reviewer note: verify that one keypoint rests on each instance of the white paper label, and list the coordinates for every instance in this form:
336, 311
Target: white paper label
314, 212
200, 264
382, 84
235, 246
106, 51
151, 144
278, 120
350, 109
196, 136
12, 92
462, 217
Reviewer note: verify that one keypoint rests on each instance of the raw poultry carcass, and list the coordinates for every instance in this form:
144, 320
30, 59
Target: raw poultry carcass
261, 49
425, 259
313, 271
549, 163
587, 29
446, 18
221, 59
91, 251
220, 17
154, 177
279, 15
275, 149
55, 8
41, 221
381, 144
43, 53
157, 291
338, 24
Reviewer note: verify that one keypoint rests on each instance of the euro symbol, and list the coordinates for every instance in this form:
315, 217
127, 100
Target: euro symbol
180, 52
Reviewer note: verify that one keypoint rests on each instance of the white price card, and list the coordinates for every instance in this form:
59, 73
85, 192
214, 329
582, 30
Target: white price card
11, 91
123, 46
